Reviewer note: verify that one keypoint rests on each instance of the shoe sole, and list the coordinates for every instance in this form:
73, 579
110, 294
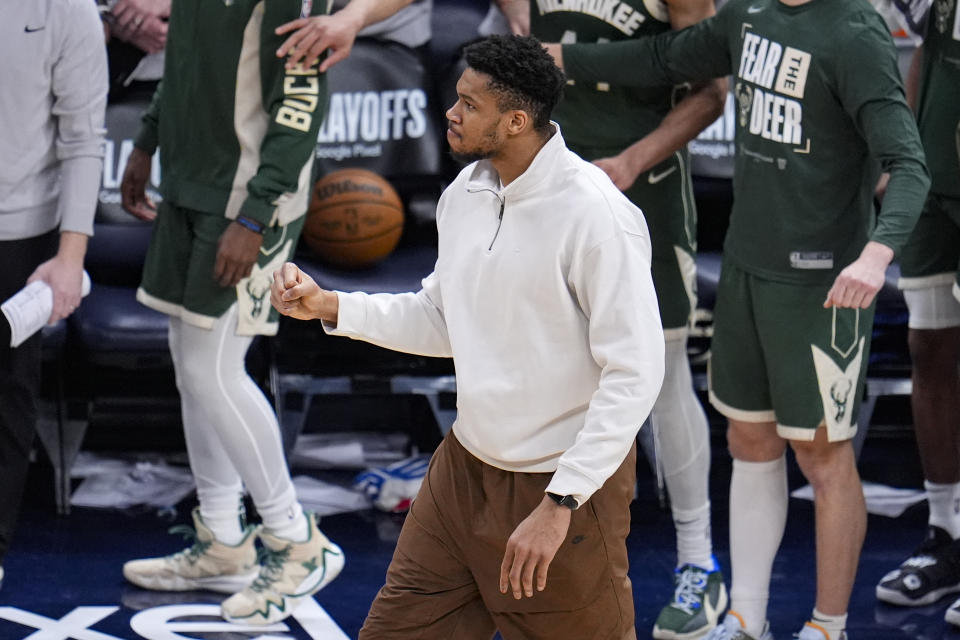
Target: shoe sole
892, 596
667, 634
319, 579
952, 616
221, 584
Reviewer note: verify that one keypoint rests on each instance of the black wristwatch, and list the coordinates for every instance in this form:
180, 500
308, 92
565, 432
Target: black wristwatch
567, 501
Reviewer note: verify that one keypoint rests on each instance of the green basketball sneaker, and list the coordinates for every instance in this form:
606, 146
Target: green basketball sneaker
699, 597
206, 564
289, 573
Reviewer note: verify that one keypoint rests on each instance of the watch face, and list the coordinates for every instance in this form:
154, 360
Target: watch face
567, 501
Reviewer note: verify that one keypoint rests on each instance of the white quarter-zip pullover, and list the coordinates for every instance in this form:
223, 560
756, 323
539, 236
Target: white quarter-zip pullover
543, 296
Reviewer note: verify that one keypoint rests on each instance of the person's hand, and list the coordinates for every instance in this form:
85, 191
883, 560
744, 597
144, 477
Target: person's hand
312, 36
65, 279
295, 294
237, 252
620, 168
149, 35
859, 282
531, 548
131, 14
133, 187
517, 13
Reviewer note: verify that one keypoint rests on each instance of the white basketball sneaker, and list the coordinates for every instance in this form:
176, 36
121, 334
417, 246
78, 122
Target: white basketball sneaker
290, 572
207, 564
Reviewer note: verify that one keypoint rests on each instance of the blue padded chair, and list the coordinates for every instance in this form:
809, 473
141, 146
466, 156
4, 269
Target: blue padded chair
116, 351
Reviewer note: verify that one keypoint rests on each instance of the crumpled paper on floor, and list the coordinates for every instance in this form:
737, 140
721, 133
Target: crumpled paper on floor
881, 499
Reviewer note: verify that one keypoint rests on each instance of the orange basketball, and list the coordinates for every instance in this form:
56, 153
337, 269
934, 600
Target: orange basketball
355, 218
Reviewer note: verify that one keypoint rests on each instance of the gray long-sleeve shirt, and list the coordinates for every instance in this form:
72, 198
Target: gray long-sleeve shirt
53, 93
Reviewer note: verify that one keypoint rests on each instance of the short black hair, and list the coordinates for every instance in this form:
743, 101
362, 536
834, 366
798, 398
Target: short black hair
521, 72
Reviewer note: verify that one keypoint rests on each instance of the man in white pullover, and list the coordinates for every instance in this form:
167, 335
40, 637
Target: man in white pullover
542, 294
53, 78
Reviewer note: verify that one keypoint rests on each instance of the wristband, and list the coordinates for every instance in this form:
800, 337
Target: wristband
249, 223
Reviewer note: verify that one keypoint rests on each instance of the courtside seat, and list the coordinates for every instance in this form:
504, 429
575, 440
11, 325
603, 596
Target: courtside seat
115, 347
400, 272
113, 329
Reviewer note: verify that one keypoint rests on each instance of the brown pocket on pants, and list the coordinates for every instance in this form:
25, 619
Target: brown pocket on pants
577, 573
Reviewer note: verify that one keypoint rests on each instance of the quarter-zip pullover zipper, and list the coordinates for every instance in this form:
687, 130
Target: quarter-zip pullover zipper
503, 203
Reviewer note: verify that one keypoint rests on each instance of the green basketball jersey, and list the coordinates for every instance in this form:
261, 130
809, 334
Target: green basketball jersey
597, 113
820, 109
938, 107
236, 129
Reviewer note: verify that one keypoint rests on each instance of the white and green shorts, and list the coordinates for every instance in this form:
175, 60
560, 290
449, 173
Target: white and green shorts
178, 271
778, 356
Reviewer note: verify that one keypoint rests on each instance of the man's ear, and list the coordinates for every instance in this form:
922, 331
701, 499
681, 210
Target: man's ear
519, 122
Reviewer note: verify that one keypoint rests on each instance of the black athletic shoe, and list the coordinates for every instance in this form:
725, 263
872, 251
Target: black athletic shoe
930, 573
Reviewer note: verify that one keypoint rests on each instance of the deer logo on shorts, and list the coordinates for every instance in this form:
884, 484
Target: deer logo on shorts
257, 289
941, 10
840, 394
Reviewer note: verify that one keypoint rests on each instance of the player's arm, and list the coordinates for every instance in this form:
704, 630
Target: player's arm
695, 54
295, 294
614, 288
310, 37
912, 87
294, 99
133, 187
79, 90
872, 93
407, 322
615, 291
690, 116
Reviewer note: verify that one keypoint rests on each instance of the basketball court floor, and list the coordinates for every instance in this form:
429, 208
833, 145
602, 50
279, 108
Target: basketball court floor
63, 578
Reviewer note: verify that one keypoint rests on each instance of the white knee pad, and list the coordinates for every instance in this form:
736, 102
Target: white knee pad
931, 302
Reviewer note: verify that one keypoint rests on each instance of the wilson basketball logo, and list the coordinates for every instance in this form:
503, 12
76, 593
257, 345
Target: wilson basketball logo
355, 218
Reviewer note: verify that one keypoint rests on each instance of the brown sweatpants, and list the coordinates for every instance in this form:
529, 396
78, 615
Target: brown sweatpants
443, 581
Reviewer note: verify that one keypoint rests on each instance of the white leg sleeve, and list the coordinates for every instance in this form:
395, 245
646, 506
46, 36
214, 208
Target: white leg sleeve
231, 430
219, 488
758, 516
683, 444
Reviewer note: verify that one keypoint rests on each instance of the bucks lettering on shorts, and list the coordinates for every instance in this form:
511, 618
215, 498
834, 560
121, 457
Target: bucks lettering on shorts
771, 83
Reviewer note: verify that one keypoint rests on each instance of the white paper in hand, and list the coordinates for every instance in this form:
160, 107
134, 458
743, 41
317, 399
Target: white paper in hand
29, 309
